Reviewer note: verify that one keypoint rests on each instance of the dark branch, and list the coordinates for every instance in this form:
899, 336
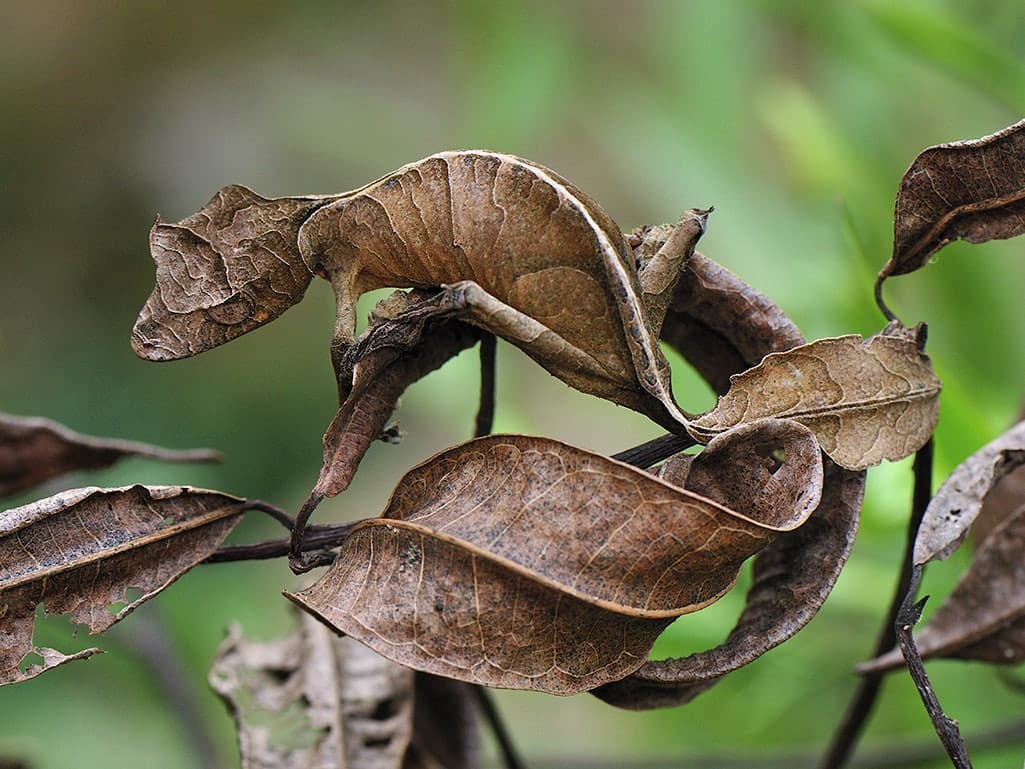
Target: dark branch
654, 451
880, 302
486, 411
859, 708
509, 755
273, 511
318, 539
946, 728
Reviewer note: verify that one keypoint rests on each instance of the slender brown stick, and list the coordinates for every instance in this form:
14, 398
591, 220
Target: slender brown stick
486, 411
860, 706
149, 637
880, 302
484, 423
318, 538
654, 451
273, 511
510, 757
946, 728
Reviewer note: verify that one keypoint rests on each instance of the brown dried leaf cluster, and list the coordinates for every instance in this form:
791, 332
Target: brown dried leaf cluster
520, 561
527, 563
983, 618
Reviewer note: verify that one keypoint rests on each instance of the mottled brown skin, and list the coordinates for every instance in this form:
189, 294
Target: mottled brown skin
520, 251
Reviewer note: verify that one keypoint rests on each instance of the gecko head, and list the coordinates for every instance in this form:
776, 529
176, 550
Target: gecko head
227, 269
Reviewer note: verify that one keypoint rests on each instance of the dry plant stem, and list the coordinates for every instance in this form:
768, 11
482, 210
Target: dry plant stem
318, 538
273, 511
860, 706
654, 451
484, 423
150, 639
510, 758
881, 303
946, 728
486, 411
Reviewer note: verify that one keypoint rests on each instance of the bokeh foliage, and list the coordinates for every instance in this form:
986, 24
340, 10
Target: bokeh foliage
796, 120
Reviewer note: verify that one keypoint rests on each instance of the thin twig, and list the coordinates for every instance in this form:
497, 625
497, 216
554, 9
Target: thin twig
484, 423
880, 302
486, 411
510, 757
846, 736
318, 538
273, 511
654, 451
149, 638
946, 728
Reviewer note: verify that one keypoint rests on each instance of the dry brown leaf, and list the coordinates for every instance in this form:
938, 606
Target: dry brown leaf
983, 618
865, 400
957, 502
79, 553
34, 450
792, 578
721, 325
1002, 501
314, 699
725, 322
525, 563
970, 190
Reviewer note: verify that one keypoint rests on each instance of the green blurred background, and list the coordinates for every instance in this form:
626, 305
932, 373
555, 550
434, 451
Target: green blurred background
794, 119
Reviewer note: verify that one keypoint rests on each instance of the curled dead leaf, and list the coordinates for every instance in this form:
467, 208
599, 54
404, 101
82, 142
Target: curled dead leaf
969, 190
34, 450
721, 322
526, 563
983, 618
721, 325
792, 578
957, 502
79, 553
865, 400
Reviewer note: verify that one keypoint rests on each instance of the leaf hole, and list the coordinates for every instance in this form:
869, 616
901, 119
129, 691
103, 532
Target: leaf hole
131, 595
30, 659
168, 520
385, 709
